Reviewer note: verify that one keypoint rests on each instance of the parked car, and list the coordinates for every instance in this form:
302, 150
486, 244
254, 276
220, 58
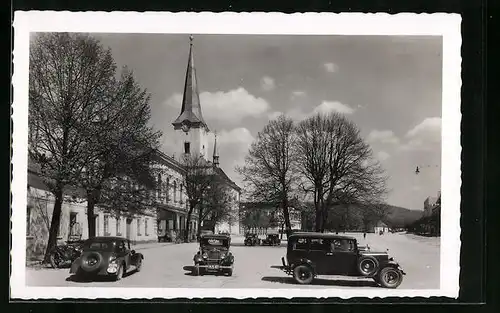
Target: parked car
106, 256
214, 255
272, 240
164, 237
312, 254
251, 240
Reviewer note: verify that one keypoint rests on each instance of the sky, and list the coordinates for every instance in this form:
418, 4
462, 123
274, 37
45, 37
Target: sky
390, 86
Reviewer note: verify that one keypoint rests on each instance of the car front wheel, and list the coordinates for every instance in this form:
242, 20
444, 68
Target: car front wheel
390, 277
303, 274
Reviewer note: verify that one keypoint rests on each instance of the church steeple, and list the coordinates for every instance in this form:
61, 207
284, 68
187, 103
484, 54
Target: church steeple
190, 116
216, 152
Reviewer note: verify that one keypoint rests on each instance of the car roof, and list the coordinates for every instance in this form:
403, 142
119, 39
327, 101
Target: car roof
319, 235
218, 236
107, 238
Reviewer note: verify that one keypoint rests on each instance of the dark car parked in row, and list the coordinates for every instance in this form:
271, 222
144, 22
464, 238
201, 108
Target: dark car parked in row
106, 256
272, 240
214, 255
252, 240
312, 254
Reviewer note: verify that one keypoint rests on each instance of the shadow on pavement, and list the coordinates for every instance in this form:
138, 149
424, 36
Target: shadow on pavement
99, 278
322, 282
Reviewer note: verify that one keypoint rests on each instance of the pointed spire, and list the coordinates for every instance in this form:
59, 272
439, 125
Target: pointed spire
216, 152
190, 114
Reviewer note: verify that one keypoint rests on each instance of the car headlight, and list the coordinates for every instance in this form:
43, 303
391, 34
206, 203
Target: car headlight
112, 259
205, 255
223, 255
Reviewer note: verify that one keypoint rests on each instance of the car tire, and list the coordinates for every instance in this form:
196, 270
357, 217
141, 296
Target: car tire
303, 274
390, 277
119, 273
230, 272
55, 259
88, 266
139, 265
367, 265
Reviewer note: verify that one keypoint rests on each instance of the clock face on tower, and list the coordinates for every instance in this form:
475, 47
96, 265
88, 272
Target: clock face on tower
185, 128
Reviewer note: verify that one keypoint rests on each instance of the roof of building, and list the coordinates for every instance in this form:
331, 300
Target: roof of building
319, 235
380, 224
191, 109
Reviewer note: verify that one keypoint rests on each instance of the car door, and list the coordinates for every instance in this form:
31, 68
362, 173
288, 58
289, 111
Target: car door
344, 256
320, 255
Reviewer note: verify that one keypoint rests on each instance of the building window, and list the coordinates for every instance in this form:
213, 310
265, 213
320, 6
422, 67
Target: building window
146, 227
180, 194
118, 226
158, 187
28, 220
97, 225
175, 191
167, 191
138, 227
106, 225
187, 147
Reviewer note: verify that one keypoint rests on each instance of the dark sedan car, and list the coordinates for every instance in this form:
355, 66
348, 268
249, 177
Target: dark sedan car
106, 256
271, 240
312, 254
251, 240
214, 255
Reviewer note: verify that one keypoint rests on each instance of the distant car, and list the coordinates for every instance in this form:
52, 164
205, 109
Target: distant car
312, 254
164, 237
214, 255
272, 240
106, 256
251, 240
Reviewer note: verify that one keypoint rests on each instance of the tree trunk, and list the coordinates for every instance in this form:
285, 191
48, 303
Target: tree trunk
286, 215
188, 221
92, 198
200, 213
55, 223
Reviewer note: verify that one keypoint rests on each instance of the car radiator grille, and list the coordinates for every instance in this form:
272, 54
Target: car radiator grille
213, 255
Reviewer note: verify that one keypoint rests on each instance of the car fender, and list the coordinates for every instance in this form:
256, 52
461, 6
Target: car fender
75, 265
305, 262
394, 264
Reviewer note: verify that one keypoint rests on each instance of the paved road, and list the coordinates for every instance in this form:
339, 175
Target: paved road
166, 265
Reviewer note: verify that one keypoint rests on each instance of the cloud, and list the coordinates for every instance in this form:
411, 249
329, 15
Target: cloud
382, 155
298, 94
331, 67
234, 145
267, 83
424, 136
240, 136
383, 136
333, 106
231, 106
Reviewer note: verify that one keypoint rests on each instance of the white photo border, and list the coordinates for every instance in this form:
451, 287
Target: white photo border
440, 24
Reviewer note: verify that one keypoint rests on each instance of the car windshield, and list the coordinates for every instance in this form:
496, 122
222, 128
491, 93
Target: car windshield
99, 245
214, 242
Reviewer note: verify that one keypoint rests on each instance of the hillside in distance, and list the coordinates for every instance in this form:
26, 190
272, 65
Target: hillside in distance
400, 217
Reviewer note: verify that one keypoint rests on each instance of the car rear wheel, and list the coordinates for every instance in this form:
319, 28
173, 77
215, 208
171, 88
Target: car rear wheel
303, 274
390, 277
230, 272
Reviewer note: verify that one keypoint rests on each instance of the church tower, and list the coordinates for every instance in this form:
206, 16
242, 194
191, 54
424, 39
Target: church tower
215, 157
191, 130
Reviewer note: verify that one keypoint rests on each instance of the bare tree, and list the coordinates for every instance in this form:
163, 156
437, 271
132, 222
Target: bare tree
119, 175
198, 177
68, 74
269, 166
336, 165
218, 203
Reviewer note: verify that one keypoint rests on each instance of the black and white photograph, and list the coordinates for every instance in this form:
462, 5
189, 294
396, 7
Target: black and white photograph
167, 155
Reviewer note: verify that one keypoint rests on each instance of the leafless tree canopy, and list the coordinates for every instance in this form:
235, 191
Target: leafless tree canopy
86, 126
337, 166
268, 172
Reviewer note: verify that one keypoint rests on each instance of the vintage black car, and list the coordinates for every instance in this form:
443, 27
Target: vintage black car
214, 255
251, 240
106, 256
312, 254
272, 240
